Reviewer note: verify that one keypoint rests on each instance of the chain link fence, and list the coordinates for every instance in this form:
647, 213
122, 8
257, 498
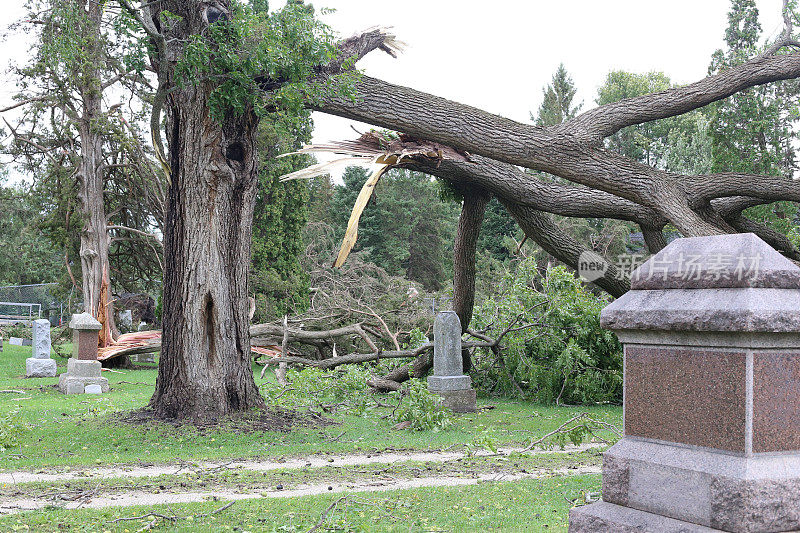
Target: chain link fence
21, 304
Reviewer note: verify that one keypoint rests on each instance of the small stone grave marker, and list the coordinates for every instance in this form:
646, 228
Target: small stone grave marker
448, 379
40, 365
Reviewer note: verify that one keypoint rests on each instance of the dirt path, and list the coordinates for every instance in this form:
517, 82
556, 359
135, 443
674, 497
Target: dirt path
12, 506
315, 461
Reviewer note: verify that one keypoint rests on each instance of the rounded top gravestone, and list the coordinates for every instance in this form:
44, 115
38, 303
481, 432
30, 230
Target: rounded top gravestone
447, 345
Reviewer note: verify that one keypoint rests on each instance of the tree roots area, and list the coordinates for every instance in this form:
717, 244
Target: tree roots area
323, 456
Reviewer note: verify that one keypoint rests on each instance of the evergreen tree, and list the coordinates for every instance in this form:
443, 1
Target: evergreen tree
406, 229
281, 212
557, 105
27, 256
754, 130
498, 226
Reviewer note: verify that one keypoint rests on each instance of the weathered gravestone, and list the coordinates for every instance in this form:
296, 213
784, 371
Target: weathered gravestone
711, 440
448, 379
143, 358
15, 341
40, 365
83, 368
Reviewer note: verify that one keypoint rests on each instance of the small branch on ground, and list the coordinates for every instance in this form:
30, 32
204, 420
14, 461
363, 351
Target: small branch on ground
588, 426
325, 514
173, 518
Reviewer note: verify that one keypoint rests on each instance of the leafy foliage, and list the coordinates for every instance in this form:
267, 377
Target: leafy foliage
346, 389
653, 143
26, 254
281, 48
567, 358
423, 409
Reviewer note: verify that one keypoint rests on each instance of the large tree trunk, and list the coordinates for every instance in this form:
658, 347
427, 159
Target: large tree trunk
205, 367
95, 240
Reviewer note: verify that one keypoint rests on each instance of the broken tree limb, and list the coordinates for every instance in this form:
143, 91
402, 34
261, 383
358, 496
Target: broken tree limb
351, 234
354, 358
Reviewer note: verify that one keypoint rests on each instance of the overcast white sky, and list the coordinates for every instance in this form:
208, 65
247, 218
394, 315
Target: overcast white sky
498, 56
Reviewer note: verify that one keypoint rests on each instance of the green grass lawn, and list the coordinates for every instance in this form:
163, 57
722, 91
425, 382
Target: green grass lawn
49, 429
527, 505
43, 430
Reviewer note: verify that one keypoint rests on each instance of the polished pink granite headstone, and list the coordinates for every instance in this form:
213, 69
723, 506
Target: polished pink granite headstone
711, 442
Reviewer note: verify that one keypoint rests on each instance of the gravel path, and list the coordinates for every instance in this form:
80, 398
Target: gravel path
129, 471
130, 498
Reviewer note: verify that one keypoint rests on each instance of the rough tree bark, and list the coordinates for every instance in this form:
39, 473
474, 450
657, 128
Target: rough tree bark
95, 239
608, 184
205, 368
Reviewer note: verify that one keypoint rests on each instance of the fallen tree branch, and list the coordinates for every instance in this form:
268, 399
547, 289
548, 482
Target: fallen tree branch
325, 514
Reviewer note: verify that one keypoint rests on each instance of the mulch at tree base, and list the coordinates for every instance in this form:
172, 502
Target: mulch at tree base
256, 420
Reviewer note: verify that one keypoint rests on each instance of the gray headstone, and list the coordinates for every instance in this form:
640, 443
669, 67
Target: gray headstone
93, 389
40, 368
41, 339
448, 366
84, 322
732, 283
740, 260
15, 341
447, 345
78, 368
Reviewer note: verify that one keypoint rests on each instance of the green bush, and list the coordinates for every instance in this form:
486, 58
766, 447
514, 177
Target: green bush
423, 409
22, 331
565, 358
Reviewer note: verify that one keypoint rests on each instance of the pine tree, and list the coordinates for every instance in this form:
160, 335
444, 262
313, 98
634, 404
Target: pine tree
558, 96
754, 130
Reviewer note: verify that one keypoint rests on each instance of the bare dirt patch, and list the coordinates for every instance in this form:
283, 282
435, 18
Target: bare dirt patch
315, 461
282, 420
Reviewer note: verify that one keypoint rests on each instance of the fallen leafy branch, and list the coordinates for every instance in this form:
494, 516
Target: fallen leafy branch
577, 432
